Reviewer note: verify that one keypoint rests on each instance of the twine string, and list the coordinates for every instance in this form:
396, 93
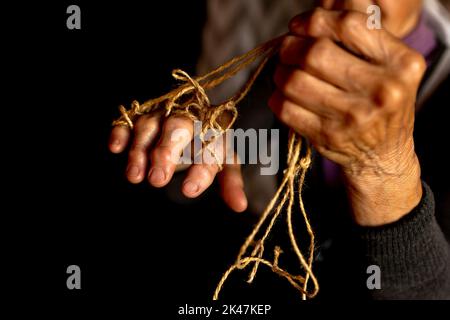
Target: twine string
190, 100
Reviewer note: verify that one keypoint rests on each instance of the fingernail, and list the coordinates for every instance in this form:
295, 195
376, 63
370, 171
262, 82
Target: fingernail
157, 176
190, 187
133, 171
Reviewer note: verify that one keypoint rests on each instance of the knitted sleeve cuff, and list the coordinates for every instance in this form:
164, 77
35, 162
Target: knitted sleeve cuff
412, 253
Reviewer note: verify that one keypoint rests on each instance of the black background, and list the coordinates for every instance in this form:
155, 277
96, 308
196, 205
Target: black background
129, 241
71, 203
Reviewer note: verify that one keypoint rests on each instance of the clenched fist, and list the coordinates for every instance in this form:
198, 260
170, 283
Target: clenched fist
351, 91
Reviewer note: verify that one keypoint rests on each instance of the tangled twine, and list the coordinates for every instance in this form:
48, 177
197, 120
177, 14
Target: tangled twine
190, 100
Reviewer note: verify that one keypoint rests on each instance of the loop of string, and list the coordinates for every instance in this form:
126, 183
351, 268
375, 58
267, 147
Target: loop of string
191, 100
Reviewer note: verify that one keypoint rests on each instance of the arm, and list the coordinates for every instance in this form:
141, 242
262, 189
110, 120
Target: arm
352, 92
412, 253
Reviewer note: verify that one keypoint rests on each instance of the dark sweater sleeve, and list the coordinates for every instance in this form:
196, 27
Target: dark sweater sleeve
413, 255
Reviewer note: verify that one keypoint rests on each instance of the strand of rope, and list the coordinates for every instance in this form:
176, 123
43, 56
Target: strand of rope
190, 100
297, 167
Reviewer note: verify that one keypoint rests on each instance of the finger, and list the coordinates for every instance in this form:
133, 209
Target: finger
315, 57
119, 138
313, 94
201, 175
327, 4
145, 132
300, 119
176, 134
349, 28
232, 187
198, 179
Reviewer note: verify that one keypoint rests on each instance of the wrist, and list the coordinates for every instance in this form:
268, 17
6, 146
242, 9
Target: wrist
386, 194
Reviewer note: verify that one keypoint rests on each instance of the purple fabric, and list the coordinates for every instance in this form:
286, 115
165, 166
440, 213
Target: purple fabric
421, 39
331, 172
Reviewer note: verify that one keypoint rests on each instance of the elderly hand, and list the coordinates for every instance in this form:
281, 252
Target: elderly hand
160, 166
351, 91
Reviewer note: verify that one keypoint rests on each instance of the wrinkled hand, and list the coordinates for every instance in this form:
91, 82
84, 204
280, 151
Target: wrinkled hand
158, 161
351, 91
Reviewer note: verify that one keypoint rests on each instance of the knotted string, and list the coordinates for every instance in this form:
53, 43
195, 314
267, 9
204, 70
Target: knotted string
191, 100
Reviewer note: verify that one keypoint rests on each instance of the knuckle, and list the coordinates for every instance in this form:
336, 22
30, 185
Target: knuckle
350, 20
295, 84
170, 125
162, 154
287, 82
137, 147
317, 22
321, 47
310, 59
317, 52
179, 136
177, 122
285, 112
390, 94
145, 123
413, 66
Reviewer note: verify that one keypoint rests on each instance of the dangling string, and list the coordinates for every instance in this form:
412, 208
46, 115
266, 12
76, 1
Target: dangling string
297, 167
